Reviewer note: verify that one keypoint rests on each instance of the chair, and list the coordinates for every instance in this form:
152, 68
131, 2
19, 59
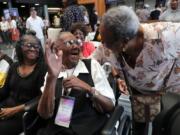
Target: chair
170, 103
173, 126
118, 124
32, 121
53, 33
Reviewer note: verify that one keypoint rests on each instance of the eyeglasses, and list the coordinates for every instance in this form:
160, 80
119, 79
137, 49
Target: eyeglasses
72, 42
31, 45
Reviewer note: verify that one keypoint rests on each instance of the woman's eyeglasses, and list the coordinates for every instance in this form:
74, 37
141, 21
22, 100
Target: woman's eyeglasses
31, 45
72, 42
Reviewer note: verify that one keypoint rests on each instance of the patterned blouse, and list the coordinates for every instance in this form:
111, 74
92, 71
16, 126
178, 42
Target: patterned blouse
158, 59
71, 15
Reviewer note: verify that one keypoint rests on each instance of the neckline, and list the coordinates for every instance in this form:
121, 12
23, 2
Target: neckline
25, 75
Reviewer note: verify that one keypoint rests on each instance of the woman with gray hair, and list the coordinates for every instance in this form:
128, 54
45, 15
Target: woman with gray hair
149, 64
172, 13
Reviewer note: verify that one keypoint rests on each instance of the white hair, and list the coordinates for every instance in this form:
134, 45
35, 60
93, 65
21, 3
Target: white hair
122, 22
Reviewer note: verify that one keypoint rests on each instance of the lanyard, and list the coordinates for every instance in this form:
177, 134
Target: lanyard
65, 91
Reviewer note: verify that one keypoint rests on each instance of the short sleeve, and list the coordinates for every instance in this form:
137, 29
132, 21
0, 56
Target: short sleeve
100, 81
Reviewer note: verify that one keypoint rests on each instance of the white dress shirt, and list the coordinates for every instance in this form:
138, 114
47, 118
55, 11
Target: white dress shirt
101, 83
37, 25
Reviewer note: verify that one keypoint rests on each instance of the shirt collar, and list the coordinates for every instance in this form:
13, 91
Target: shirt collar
80, 68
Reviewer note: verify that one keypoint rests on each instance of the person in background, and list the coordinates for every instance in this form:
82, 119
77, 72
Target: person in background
5, 31
14, 32
72, 14
22, 85
5, 62
172, 13
85, 13
150, 65
93, 17
21, 26
35, 23
80, 32
82, 80
154, 15
143, 13
46, 25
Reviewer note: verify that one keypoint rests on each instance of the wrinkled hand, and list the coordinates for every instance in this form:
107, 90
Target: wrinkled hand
75, 83
8, 112
122, 86
54, 61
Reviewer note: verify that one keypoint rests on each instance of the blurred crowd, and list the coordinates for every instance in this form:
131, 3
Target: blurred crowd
71, 76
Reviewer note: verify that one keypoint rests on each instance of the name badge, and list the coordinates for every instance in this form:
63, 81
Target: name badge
64, 114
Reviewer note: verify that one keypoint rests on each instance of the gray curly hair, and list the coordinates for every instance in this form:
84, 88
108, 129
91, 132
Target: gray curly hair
122, 22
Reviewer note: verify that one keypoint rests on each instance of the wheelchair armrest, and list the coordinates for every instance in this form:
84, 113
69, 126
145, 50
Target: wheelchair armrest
116, 115
29, 120
32, 105
32, 122
124, 125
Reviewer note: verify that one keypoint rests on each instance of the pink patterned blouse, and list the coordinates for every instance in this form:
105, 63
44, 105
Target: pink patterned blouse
161, 50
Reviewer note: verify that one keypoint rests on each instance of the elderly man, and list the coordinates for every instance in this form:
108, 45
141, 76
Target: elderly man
76, 94
172, 13
149, 64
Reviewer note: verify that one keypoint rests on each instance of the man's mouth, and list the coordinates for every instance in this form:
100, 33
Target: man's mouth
74, 52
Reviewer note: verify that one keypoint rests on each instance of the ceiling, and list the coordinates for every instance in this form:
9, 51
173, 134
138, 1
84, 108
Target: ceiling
52, 3
39, 1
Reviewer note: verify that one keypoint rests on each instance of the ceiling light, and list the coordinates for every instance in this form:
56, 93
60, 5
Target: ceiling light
23, 6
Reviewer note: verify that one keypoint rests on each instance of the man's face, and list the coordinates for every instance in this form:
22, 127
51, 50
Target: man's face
79, 35
108, 40
71, 49
64, 3
33, 13
174, 4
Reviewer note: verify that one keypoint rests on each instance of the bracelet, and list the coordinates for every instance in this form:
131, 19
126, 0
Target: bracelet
94, 92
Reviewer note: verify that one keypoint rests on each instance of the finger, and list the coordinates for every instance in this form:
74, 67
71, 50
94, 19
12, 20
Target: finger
1, 112
48, 46
67, 79
60, 54
68, 85
3, 115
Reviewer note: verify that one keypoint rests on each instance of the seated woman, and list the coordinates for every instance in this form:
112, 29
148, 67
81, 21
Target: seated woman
80, 32
22, 85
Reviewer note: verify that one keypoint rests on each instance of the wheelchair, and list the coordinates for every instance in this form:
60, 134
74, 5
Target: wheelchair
119, 122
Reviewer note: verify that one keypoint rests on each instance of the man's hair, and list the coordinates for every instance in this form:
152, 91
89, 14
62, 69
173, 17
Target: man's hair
79, 26
64, 33
122, 22
32, 9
